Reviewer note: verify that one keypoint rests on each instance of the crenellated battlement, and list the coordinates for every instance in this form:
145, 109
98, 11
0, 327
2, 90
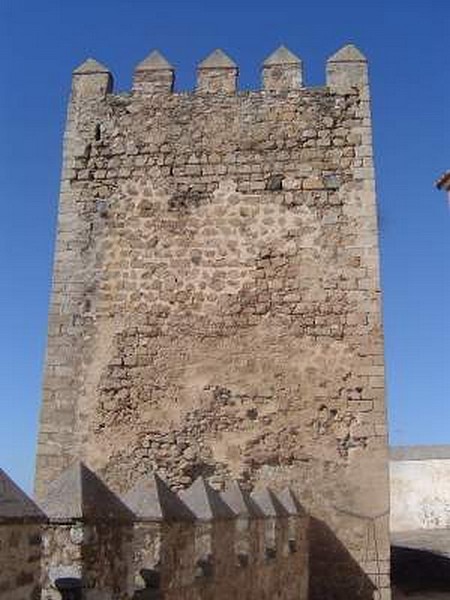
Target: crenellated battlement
281, 72
198, 544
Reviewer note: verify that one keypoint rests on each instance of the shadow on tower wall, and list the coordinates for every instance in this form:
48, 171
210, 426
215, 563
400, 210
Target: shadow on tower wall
334, 573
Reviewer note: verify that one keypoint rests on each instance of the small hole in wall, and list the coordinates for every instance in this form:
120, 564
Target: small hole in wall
275, 183
98, 133
252, 413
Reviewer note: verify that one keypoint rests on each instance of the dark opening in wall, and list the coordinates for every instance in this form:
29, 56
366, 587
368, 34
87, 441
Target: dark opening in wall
275, 183
98, 132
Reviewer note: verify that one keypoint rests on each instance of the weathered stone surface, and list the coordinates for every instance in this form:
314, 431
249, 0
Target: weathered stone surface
205, 502
216, 302
349, 53
90, 66
155, 61
20, 556
152, 500
21, 522
347, 69
15, 505
290, 502
217, 73
269, 503
282, 71
78, 494
240, 501
217, 60
154, 75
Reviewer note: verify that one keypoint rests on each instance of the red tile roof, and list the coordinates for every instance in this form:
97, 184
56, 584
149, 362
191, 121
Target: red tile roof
443, 183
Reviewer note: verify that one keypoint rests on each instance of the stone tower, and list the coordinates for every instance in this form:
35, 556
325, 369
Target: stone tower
216, 298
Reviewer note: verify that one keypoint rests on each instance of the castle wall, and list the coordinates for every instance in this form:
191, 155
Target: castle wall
20, 556
92, 545
216, 298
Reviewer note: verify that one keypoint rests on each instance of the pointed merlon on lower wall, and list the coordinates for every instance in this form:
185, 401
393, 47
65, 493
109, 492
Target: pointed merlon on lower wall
291, 503
154, 75
269, 503
205, 502
78, 494
151, 499
282, 71
240, 501
15, 505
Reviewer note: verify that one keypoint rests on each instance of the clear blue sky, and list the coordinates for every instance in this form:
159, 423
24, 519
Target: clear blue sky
407, 43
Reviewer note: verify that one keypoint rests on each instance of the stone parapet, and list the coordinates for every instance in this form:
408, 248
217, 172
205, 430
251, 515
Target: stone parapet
152, 543
21, 523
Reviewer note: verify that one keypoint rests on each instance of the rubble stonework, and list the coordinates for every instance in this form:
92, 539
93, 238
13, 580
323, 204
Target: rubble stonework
216, 300
21, 523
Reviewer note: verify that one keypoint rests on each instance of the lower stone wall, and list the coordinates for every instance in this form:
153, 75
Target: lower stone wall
97, 555
223, 560
153, 544
177, 561
20, 556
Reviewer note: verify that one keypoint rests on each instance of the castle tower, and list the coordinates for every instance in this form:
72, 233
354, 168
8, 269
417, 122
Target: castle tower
216, 298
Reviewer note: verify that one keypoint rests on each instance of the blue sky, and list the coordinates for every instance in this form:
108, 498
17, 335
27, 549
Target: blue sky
409, 53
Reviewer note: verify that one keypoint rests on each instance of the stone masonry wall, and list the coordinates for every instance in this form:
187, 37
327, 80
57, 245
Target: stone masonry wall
216, 298
20, 555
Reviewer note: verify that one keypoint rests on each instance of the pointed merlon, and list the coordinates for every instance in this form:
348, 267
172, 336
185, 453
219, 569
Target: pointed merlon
291, 503
205, 502
15, 505
78, 494
152, 500
217, 74
349, 53
217, 60
155, 61
240, 501
91, 80
89, 67
282, 71
154, 75
269, 503
347, 70
282, 56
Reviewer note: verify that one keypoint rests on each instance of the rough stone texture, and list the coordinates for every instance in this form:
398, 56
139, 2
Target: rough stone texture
154, 75
20, 555
20, 543
97, 554
222, 559
216, 302
89, 537
217, 74
282, 71
15, 505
